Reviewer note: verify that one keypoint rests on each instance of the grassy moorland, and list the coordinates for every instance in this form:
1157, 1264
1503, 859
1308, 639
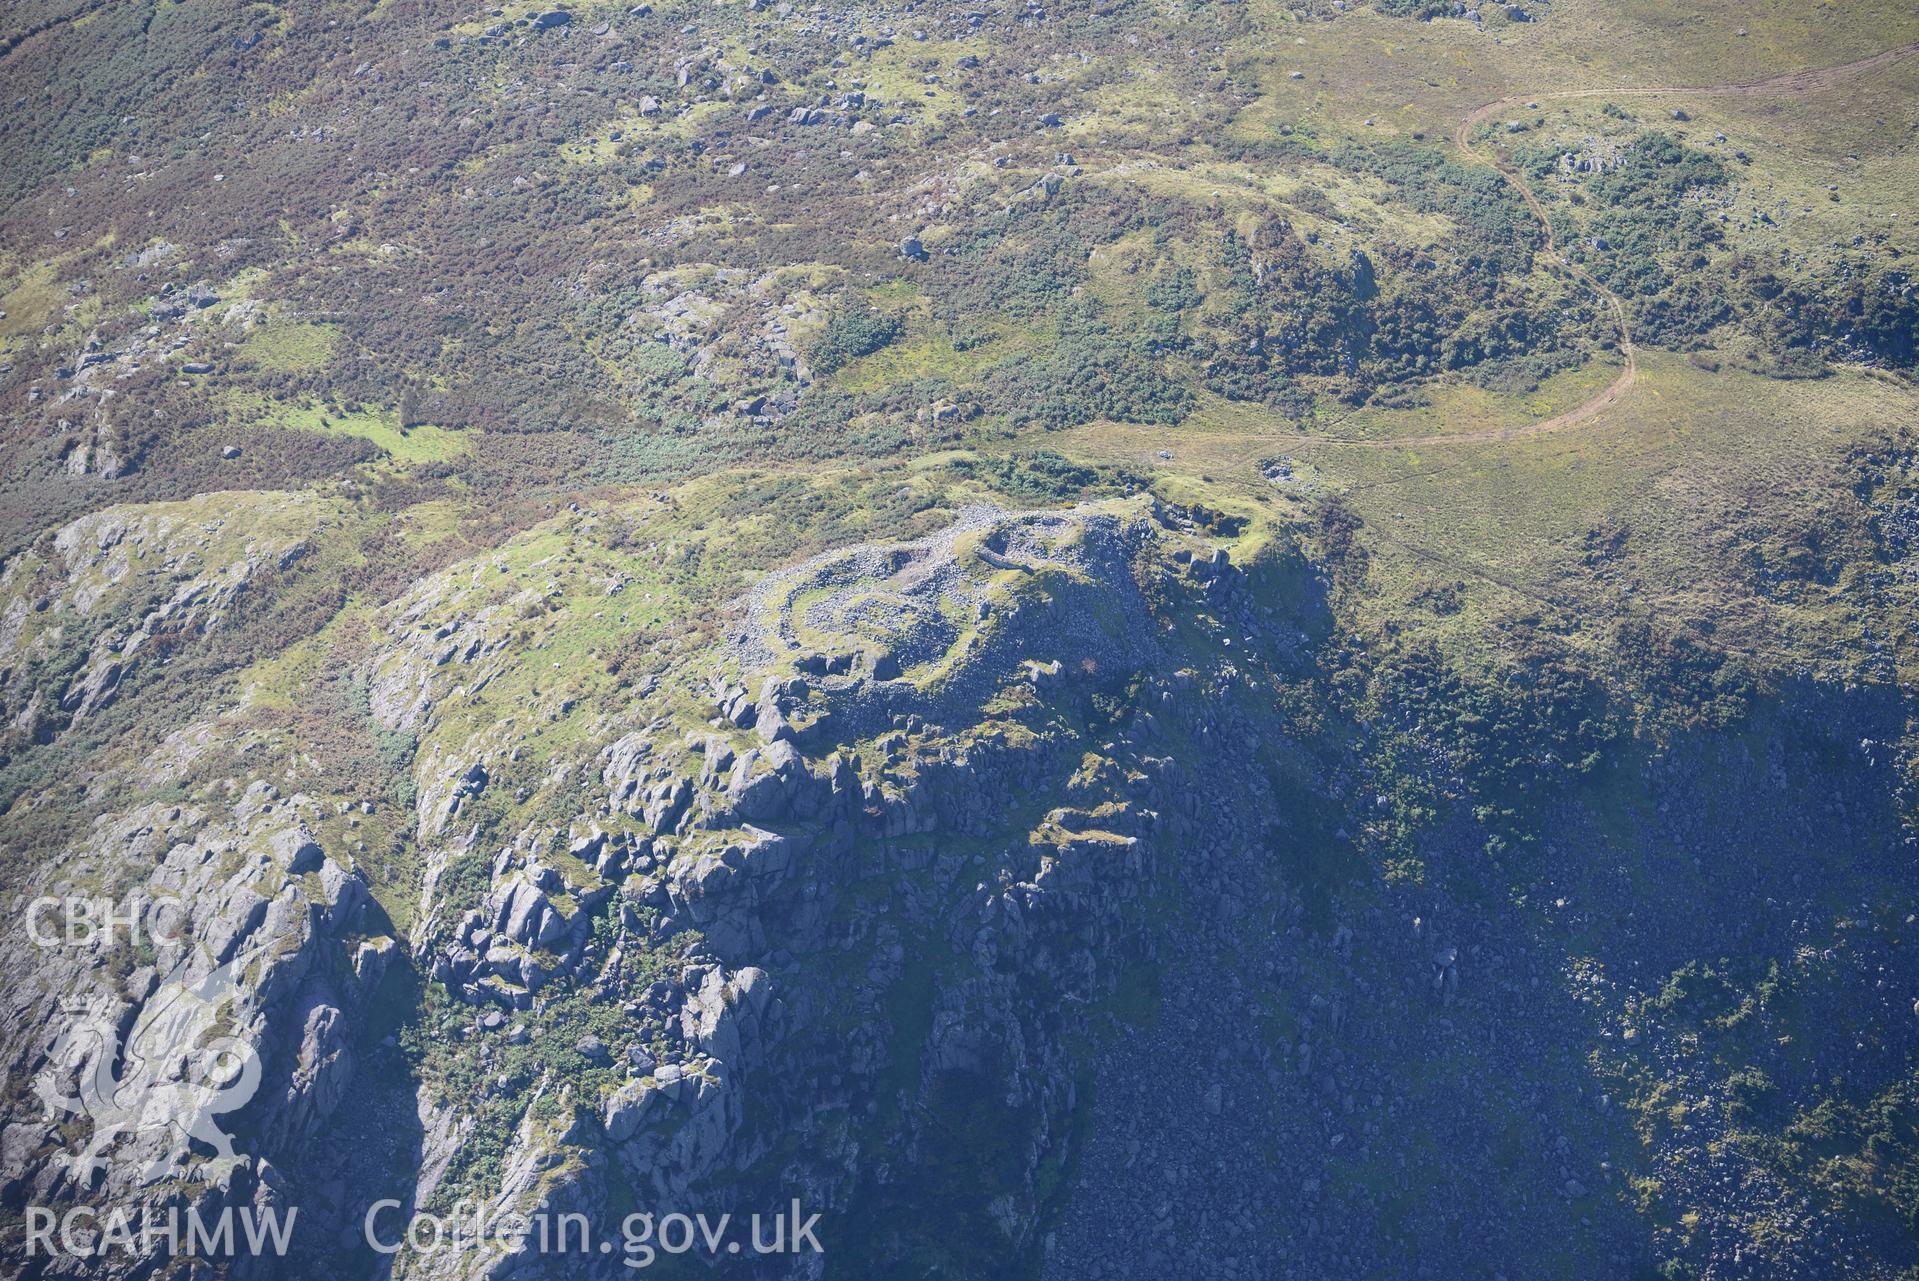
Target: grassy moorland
418, 413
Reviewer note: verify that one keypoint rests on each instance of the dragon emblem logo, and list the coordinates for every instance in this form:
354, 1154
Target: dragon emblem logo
178, 1071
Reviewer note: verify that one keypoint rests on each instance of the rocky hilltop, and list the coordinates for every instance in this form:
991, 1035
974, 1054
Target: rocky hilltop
1055, 639
903, 866
986, 867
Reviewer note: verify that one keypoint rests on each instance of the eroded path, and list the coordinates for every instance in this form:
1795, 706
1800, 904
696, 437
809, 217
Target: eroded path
1792, 82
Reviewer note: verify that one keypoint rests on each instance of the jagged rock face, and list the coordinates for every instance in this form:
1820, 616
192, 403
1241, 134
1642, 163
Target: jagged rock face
749, 852
817, 884
225, 1008
836, 907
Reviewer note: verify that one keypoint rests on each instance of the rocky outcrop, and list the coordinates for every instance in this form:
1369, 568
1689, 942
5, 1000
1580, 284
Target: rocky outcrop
250, 971
739, 849
791, 884
128, 586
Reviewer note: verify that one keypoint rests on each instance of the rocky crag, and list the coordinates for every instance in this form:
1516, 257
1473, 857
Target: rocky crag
1018, 869
886, 846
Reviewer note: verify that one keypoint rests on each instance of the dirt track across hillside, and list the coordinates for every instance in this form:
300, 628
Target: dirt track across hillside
1791, 82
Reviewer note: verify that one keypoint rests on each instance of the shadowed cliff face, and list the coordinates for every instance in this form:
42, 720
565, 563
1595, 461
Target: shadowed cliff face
743, 943
984, 891
1660, 998
861, 912
1065, 638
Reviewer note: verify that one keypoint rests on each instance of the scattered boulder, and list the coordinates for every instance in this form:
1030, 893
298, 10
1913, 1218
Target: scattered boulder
626, 1108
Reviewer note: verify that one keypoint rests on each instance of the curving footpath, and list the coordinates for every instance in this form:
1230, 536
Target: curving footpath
1790, 82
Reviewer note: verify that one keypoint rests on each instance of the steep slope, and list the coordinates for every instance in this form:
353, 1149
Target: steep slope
1021, 872
1086, 639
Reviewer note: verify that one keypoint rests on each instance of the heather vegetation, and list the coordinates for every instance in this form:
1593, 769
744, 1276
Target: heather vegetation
480, 275
1051, 623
